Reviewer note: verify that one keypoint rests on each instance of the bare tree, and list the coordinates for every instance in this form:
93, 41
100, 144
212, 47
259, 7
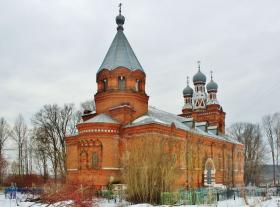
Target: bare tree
267, 123
3, 168
19, 135
4, 133
254, 149
276, 131
88, 105
54, 123
40, 151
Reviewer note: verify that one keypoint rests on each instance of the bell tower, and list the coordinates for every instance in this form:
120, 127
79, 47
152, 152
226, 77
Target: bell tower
121, 80
217, 115
203, 106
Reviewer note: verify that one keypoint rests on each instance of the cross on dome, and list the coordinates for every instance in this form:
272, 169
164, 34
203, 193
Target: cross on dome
120, 8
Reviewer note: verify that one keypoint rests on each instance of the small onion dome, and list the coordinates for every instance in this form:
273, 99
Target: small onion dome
188, 91
212, 86
120, 20
199, 77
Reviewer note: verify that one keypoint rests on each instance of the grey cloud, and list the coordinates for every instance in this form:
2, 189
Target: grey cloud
50, 51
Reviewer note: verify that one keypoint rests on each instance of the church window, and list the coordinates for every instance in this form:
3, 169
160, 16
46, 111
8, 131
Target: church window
138, 85
121, 83
105, 84
83, 160
95, 160
239, 160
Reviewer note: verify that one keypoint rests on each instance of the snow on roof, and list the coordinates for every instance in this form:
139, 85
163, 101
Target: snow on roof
101, 118
155, 115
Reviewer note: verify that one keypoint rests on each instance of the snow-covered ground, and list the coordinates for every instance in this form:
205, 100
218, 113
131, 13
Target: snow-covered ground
239, 202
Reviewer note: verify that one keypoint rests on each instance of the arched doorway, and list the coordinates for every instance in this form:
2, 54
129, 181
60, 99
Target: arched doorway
209, 173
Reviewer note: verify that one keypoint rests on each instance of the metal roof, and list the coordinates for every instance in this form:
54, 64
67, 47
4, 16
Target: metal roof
101, 118
119, 54
155, 115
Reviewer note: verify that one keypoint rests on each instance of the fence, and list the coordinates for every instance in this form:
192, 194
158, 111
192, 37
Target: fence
201, 196
212, 195
11, 191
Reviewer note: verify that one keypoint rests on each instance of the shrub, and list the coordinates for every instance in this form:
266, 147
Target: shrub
150, 168
24, 180
80, 195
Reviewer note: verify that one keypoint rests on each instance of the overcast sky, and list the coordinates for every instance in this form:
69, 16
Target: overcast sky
51, 49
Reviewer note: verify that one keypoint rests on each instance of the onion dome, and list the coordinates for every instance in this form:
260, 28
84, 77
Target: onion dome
212, 85
120, 19
199, 77
188, 91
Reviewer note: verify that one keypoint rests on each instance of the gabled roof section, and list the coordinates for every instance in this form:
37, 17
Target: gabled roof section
120, 53
155, 115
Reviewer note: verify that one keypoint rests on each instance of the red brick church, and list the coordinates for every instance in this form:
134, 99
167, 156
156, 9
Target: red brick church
123, 114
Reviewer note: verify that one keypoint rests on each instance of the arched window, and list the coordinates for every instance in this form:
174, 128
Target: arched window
83, 160
239, 160
137, 85
95, 160
202, 103
105, 84
121, 82
188, 100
